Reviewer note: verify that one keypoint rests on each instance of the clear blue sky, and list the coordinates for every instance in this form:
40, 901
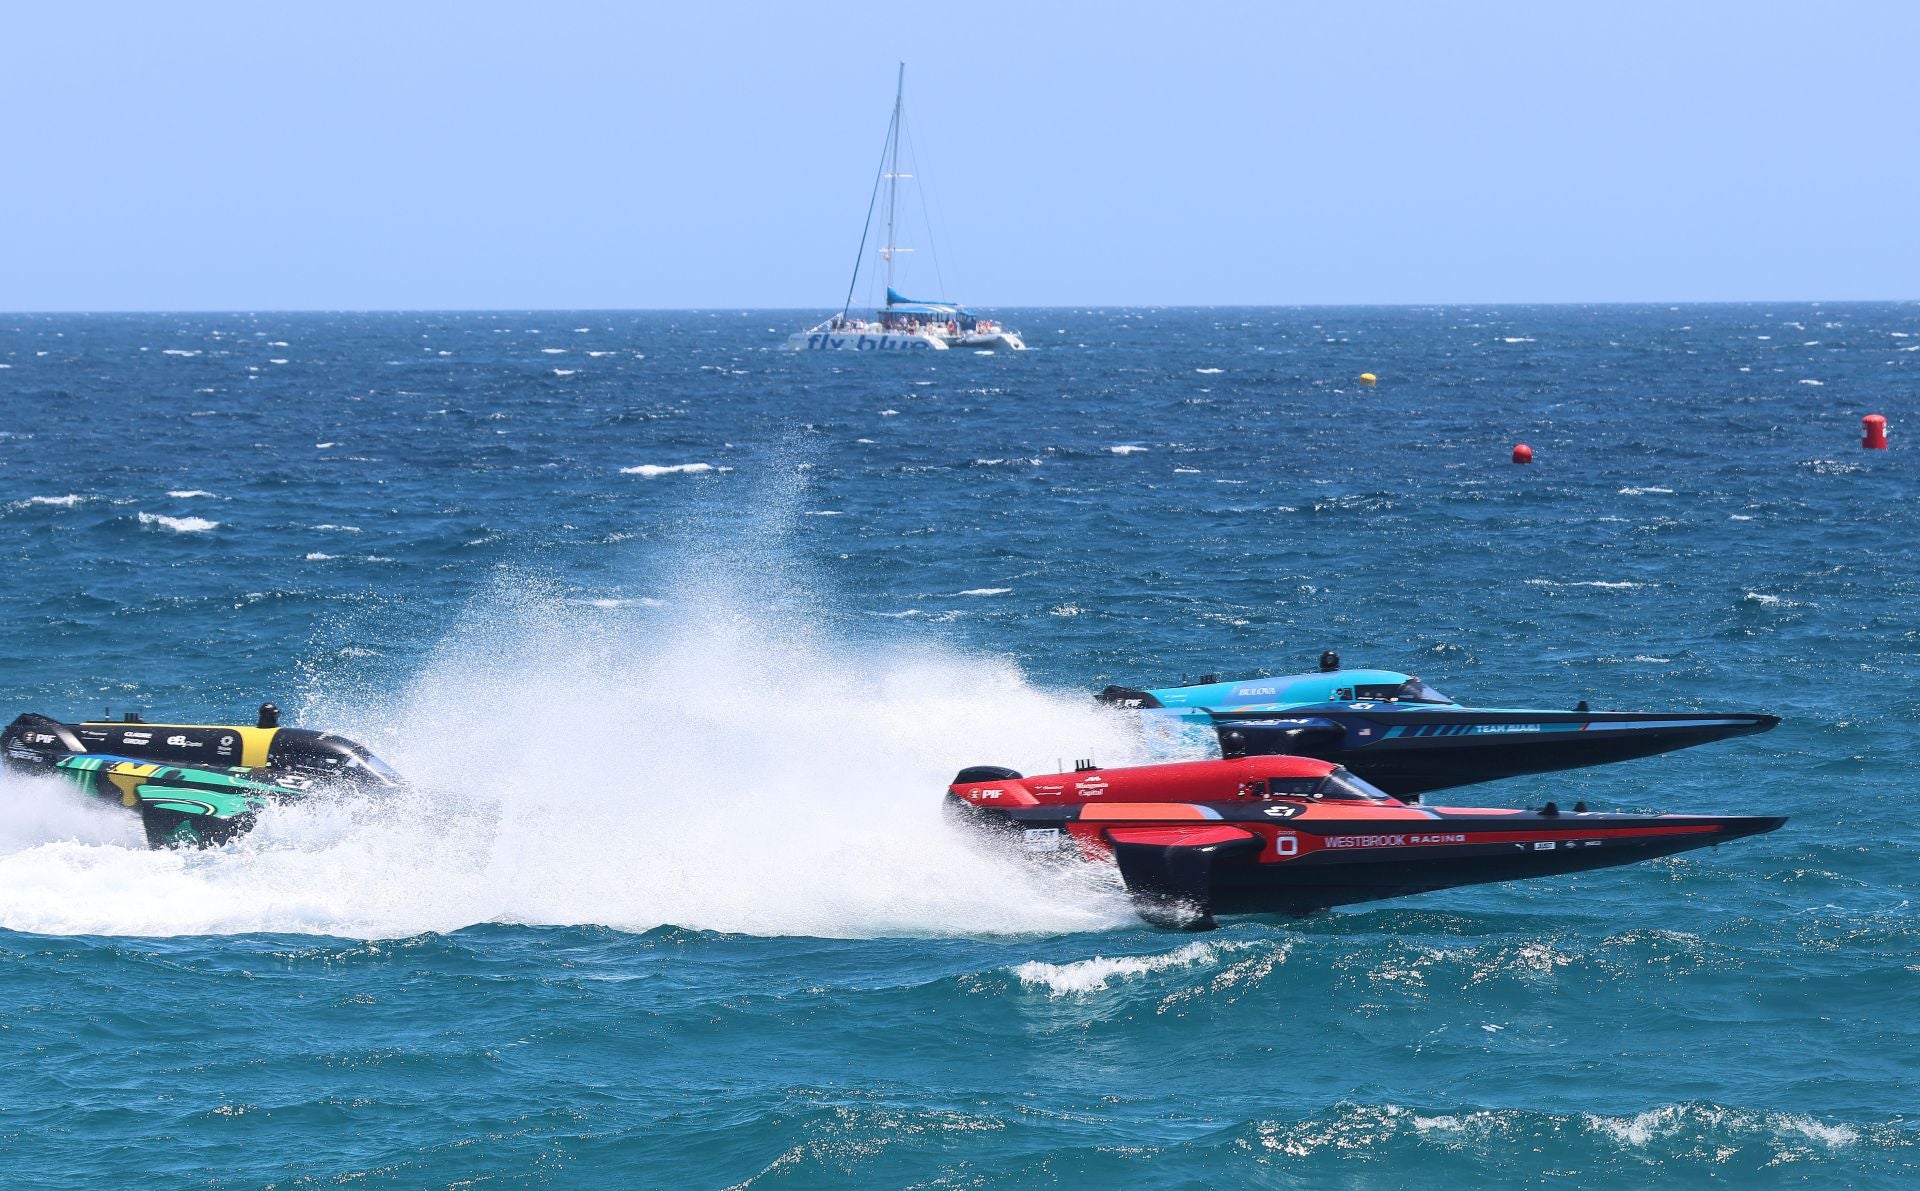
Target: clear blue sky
698, 154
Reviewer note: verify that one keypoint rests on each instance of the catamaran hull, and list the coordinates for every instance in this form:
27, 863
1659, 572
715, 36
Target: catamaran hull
992, 341
861, 341
1408, 753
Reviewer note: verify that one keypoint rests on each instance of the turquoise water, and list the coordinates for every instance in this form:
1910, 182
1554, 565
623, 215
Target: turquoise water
680, 638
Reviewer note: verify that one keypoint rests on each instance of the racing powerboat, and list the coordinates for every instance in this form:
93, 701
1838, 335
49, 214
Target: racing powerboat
1403, 736
196, 785
1295, 835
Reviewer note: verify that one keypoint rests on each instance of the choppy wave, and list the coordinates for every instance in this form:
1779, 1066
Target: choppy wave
667, 469
178, 524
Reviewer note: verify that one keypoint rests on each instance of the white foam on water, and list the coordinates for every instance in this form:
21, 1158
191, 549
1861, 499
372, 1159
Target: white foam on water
179, 524
1126, 449
35, 810
715, 764
316, 556
1686, 1120
1096, 974
188, 493
1209, 371
565, 371
59, 502
985, 591
1516, 339
337, 528
667, 469
1646, 492
1813, 382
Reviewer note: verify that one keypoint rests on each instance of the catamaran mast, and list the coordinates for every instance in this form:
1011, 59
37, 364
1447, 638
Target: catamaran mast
893, 171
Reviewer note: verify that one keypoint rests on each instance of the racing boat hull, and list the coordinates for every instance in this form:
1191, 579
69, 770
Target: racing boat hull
1411, 752
1293, 835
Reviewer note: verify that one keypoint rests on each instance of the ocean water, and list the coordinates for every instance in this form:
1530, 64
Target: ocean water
680, 637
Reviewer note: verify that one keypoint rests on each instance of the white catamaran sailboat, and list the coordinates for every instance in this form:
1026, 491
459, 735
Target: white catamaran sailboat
903, 324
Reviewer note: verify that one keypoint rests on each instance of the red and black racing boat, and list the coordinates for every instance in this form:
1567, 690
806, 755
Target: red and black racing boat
1293, 835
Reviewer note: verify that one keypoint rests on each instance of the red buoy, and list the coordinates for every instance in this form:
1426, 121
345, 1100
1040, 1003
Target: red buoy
1874, 432
1523, 454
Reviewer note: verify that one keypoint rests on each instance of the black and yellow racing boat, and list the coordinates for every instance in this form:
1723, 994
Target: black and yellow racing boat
195, 785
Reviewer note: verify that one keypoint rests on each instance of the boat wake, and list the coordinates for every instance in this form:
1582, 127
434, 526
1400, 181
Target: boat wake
705, 763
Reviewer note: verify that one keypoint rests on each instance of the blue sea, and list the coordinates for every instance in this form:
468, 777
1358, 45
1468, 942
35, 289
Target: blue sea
680, 637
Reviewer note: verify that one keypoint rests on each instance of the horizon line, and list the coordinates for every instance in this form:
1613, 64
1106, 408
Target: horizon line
1071, 307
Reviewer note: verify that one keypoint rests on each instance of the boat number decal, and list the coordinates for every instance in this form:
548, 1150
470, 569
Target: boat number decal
1285, 810
1043, 839
1286, 844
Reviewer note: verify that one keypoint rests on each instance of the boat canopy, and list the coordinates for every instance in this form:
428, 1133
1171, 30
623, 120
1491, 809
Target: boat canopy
900, 305
1337, 686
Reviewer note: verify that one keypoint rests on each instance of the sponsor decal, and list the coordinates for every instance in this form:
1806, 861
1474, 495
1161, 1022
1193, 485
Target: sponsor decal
181, 742
1395, 841
1495, 729
1091, 786
1545, 845
1256, 690
984, 794
1043, 839
138, 738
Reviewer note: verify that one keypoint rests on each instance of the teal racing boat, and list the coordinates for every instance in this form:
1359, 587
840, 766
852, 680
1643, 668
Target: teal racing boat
1403, 736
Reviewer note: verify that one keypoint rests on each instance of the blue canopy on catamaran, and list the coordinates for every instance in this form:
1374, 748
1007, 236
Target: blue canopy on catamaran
899, 305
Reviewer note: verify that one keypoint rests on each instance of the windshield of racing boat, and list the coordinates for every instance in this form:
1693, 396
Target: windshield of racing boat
1410, 691
1345, 787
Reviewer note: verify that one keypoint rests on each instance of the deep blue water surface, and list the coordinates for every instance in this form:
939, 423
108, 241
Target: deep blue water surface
680, 637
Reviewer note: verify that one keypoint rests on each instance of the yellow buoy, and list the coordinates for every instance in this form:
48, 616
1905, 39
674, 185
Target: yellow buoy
1367, 378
